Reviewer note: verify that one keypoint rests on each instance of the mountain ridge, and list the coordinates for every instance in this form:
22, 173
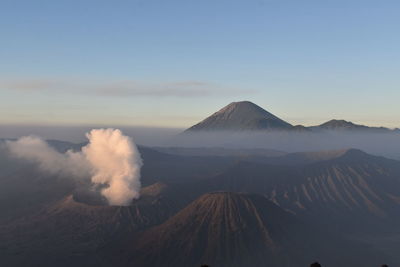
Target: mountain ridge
247, 116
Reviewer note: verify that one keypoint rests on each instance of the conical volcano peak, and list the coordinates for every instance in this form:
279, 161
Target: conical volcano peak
358, 155
237, 206
245, 108
241, 116
244, 105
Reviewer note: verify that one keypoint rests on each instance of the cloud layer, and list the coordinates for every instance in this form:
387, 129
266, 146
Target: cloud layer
119, 88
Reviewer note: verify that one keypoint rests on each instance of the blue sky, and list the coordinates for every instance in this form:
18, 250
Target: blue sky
171, 63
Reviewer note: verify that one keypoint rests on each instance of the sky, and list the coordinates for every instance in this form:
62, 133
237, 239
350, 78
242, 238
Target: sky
172, 63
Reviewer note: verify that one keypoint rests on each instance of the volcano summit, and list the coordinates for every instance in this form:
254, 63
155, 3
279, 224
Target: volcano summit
244, 116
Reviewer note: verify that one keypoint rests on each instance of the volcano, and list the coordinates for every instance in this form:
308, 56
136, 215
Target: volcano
234, 229
243, 116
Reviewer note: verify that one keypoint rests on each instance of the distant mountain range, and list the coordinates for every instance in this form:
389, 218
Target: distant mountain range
247, 116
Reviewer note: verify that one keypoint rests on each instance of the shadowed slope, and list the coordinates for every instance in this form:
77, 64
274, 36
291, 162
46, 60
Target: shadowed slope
352, 186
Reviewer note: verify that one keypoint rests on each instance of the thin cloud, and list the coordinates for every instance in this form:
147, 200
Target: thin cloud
125, 88
32, 85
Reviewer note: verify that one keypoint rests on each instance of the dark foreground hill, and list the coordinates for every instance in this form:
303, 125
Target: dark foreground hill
71, 233
230, 229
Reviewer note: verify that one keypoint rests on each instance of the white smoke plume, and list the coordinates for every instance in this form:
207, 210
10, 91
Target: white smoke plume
110, 159
116, 162
35, 149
